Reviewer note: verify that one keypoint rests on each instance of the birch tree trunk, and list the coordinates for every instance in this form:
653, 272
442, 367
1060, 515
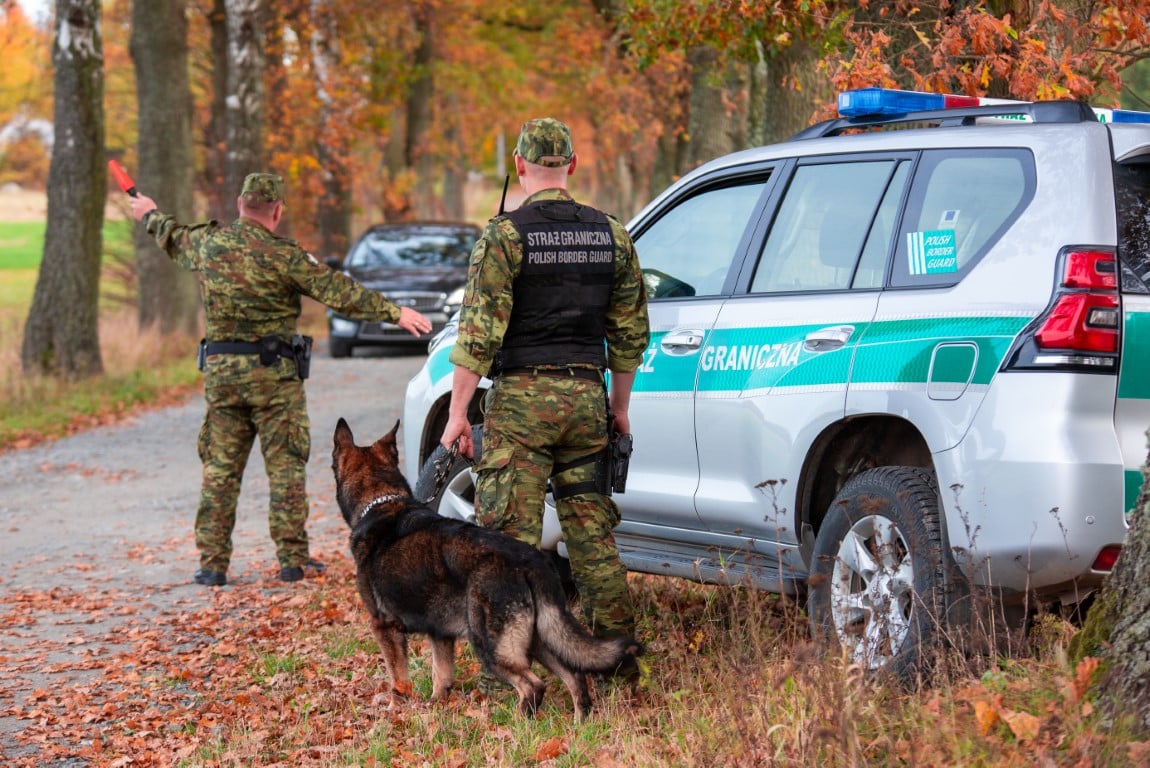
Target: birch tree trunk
245, 93
61, 336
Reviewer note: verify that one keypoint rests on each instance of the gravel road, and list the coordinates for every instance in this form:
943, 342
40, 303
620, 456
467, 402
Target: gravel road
111, 510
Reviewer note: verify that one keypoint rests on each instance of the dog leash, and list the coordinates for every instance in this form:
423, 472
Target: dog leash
442, 470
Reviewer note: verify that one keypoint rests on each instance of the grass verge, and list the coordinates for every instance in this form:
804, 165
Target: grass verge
141, 369
730, 679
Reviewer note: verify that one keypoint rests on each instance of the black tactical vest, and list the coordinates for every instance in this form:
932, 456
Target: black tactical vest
563, 289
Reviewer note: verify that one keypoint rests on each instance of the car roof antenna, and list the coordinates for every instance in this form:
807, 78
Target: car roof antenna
503, 200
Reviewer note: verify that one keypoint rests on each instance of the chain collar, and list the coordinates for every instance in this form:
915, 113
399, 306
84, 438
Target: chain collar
380, 500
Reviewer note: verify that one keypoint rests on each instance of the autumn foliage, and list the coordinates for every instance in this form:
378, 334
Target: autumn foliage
403, 102
1040, 50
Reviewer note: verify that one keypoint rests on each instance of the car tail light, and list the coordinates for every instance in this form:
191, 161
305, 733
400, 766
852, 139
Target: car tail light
1079, 330
1106, 559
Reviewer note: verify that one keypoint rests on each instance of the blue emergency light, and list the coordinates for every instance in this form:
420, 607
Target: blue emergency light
890, 102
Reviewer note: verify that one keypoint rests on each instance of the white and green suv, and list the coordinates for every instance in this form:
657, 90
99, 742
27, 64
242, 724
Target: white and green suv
889, 368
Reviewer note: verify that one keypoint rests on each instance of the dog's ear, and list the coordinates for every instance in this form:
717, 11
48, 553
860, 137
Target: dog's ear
343, 436
386, 448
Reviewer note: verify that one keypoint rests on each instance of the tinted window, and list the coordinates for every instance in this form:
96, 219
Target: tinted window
1132, 194
688, 251
413, 248
830, 215
961, 202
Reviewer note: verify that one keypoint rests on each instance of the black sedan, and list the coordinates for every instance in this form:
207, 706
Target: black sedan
422, 265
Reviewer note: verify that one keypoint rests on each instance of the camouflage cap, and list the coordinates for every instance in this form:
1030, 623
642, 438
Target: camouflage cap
545, 141
263, 188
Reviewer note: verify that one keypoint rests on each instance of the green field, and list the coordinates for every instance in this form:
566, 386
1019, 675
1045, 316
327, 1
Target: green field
21, 244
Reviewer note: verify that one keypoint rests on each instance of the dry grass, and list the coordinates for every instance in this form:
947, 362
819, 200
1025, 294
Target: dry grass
141, 367
730, 680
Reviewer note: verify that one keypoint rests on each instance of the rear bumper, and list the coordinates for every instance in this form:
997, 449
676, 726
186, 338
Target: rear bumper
1036, 488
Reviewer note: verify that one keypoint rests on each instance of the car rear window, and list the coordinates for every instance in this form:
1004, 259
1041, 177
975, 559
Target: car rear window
961, 202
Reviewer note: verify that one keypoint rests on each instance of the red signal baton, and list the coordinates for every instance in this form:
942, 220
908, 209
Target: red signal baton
122, 178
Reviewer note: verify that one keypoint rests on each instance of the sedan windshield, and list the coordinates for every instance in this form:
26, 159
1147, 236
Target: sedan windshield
426, 248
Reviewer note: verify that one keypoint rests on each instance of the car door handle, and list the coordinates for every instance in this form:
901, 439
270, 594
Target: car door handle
827, 339
682, 342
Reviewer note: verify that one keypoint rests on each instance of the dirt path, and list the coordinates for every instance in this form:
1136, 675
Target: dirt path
96, 531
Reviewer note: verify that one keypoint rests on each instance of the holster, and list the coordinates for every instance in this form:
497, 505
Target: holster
301, 352
476, 444
611, 466
619, 449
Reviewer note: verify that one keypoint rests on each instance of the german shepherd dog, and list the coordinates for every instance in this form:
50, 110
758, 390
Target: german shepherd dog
421, 573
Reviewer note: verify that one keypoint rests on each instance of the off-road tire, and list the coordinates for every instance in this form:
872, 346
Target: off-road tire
878, 588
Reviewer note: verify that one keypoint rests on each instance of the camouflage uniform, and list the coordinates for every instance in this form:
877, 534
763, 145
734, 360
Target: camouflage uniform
251, 281
535, 423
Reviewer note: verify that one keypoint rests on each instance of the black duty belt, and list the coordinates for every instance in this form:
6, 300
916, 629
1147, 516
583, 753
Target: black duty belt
587, 374
233, 348
269, 348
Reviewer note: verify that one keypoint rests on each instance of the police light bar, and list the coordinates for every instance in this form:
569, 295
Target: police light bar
888, 101
891, 102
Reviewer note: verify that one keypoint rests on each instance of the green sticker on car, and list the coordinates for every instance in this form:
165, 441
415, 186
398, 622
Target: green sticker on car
932, 252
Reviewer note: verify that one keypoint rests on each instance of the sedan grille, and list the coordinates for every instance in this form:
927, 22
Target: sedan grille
427, 302
420, 301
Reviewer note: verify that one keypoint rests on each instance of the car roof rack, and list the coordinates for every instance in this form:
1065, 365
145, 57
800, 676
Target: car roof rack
1033, 112
881, 107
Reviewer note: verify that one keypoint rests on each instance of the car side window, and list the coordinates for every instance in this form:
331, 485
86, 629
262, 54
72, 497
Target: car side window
833, 228
1132, 194
688, 251
961, 202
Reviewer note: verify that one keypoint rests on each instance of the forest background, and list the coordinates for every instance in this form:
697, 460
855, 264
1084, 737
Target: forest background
379, 111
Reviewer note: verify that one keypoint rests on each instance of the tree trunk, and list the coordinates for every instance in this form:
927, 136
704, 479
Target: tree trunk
245, 93
61, 336
455, 169
793, 90
708, 123
1125, 601
220, 205
333, 214
159, 47
419, 96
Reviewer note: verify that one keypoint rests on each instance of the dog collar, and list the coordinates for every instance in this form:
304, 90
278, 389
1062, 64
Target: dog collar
380, 500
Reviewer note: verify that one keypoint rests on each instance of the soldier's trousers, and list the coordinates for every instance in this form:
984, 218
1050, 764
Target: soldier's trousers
532, 424
246, 400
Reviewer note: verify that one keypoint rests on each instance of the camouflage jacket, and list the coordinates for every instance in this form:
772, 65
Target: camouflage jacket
487, 301
251, 279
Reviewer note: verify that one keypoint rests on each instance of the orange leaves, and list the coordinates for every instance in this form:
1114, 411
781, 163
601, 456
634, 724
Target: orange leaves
1042, 50
551, 749
1018, 707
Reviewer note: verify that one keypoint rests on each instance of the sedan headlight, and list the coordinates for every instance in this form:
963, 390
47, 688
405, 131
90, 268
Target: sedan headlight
453, 301
343, 327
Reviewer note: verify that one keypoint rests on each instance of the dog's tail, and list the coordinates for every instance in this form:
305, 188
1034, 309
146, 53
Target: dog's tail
571, 642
